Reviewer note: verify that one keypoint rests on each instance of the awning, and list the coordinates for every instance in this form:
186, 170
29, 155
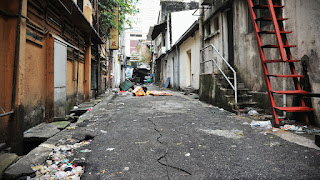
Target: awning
76, 16
157, 29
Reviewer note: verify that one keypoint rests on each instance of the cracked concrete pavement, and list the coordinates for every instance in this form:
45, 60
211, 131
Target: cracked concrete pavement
175, 137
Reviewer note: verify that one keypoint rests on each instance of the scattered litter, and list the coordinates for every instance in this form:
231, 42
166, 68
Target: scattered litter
57, 166
178, 144
86, 150
134, 120
274, 144
109, 149
75, 107
253, 112
187, 154
126, 168
90, 109
138, 91
102, 131
245, 123
261, 124
240, 134
159, 93
69, 128
221, 109
289, 127
234, 146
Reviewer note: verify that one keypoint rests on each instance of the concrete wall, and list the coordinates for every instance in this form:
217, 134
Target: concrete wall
189, 53
87, 10
35, 83
180, 23
303, 21
7, 47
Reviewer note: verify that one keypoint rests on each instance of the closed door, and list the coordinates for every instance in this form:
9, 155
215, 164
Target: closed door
60, 79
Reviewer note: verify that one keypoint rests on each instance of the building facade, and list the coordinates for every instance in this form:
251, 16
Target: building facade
49, 47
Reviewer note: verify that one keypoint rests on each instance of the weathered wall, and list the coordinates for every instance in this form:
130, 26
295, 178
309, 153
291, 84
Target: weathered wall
87, 10
304, 22
7, 47
171, 69
174, 6
190, 70
35, 82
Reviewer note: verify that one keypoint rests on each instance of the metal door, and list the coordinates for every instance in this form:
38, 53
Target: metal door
60, 78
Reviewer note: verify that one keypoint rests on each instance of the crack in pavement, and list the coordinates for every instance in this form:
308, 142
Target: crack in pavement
166, 152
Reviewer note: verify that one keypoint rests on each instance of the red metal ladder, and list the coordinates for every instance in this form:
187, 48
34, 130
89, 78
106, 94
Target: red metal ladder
285, 57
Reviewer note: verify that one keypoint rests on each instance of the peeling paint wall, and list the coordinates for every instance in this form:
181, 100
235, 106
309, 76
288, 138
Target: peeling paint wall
35, 82
7, 47
303, 21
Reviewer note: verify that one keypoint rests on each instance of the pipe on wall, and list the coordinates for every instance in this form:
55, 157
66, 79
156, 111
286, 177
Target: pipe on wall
16, 57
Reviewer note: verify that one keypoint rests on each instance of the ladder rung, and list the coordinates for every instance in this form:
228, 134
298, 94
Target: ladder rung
277, 46
273, 32
270, 19
280, 60
291, 92
287, 76
265, 6
295, 109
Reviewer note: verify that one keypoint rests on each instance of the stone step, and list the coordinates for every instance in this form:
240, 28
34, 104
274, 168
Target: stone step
243, 105
241, 98
7, 159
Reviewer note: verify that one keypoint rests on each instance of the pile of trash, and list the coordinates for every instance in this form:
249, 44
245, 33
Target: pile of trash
299, 129
58, 165
143, 91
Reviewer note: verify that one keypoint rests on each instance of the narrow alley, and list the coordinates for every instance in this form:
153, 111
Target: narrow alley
177, 137
159, 89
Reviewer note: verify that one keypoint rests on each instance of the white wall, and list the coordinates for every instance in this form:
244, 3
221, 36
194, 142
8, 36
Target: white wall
187, 78
180, 22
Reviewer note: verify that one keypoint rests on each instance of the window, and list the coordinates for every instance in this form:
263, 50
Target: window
208, 29
135, 35
216, 24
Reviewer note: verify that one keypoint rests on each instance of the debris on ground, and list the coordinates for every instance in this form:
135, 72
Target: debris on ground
58, 165
261, 124
253, 112
126, 85
138, 91
159, 93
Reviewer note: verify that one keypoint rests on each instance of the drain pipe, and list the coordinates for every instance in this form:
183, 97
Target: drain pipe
78, 72
16, 57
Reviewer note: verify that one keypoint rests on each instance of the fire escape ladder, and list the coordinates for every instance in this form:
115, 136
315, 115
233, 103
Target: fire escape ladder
283, 47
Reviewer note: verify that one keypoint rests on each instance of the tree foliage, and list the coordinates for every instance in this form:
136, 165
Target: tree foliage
107, 7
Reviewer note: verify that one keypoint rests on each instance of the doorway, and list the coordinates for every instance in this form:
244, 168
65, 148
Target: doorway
230, 37
60, 78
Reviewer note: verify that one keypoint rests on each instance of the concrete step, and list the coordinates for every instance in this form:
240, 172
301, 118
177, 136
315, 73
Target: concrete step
7, 159
243, 105
241, 98
44, 131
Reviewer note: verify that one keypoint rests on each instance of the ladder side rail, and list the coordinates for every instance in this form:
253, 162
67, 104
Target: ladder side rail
264, 66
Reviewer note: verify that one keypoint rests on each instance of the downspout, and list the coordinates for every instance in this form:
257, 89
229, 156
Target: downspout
78, 72
178, 66
16, 58
201, 35
97, 70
